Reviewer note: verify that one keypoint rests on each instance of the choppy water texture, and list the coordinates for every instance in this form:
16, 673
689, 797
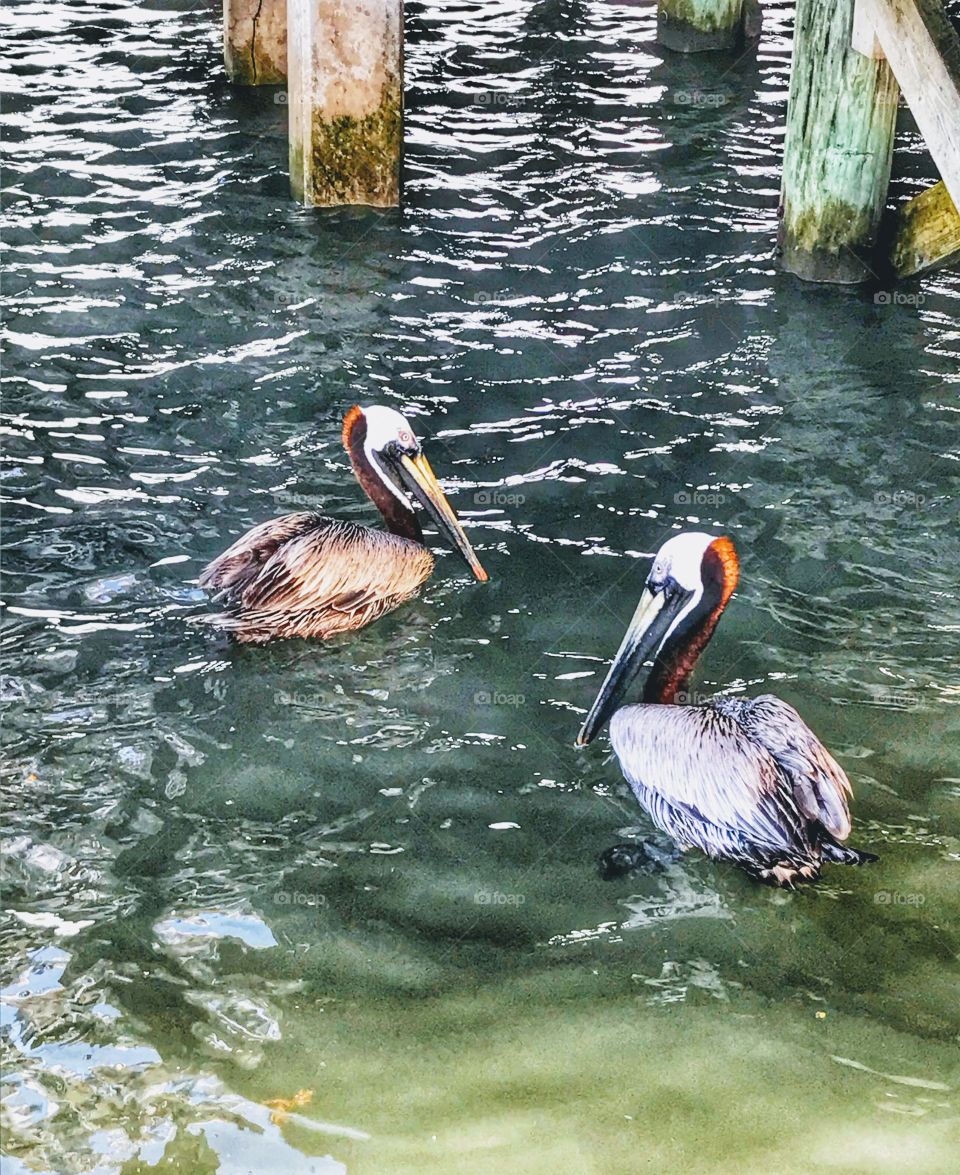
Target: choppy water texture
367, 870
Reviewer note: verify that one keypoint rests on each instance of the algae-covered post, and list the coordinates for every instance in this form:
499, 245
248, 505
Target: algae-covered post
927, 233
841, 117
691, 26
255, 41
923, 49
345, 100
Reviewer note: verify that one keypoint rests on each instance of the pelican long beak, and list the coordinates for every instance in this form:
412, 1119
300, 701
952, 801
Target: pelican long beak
650, 624
420, 480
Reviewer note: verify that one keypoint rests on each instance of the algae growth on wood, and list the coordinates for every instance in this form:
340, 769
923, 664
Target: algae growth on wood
841, 118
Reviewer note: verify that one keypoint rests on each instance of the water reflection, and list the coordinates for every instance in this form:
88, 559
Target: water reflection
233, 875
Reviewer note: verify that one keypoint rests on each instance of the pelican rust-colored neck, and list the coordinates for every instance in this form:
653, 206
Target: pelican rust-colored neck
672, 669
400, 519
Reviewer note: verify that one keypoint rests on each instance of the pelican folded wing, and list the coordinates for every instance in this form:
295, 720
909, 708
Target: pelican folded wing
705, 782
329, 577
820, 784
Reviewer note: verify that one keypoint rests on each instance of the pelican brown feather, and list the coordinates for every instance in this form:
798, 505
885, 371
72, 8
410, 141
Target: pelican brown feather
306, 575
323, 577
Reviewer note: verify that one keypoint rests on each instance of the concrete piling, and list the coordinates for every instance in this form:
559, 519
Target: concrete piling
255, 41
345, 99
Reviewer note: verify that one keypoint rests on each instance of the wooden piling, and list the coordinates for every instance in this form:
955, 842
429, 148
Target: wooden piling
927, 234
922, 48
255, 41
841, 117
691, 26
345, 99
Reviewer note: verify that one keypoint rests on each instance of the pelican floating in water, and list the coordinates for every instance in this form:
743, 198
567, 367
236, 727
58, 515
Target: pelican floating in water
306, 575
743, 780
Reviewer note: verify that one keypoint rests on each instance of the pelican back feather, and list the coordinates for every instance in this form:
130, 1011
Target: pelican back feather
310, 576
820, 785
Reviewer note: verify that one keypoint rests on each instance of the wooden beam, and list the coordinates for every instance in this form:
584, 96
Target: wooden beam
255, 41
692, 26
923, 50
863, 36
841, 117
345, 101
927, 234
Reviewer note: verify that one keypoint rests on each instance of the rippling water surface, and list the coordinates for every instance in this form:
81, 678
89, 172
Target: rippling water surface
367, 870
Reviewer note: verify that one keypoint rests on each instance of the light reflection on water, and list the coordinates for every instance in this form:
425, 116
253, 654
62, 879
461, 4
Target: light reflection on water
368, 870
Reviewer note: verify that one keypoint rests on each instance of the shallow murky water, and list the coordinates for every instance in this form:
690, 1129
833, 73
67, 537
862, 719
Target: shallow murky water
367, 870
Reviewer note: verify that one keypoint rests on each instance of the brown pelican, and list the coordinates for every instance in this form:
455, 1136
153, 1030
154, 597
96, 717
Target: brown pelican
743, 780
310, 576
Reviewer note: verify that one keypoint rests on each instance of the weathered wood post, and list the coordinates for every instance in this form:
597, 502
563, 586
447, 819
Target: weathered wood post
927, 233
923, 49
691, 26
255, 41
345, 98
841, 116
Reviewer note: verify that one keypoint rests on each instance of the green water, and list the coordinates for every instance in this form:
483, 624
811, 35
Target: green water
368, 870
